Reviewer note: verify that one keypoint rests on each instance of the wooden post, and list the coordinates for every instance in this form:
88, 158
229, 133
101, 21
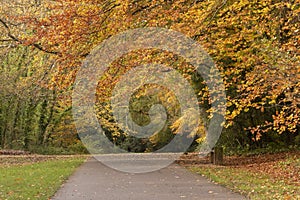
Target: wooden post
216, 156
212, 155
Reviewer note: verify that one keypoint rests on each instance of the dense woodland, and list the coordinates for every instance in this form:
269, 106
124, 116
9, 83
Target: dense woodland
255, 45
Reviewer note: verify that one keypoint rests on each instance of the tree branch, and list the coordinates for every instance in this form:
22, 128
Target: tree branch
217, 10
15, 39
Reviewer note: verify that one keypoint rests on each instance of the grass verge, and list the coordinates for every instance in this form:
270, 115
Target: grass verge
271, 180
35, 180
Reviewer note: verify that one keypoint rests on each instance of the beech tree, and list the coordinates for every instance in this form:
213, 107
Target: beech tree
255, 45
29, 111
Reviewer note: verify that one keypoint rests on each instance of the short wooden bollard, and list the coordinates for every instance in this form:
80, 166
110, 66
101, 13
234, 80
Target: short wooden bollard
216, 156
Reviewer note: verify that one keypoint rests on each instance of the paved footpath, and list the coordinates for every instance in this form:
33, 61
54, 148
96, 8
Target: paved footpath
95, 181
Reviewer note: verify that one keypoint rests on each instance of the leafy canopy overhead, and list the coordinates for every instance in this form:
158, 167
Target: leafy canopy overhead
255, 45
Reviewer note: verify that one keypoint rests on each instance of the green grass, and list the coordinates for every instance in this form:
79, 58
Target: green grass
35, 181
253, 185
289, 161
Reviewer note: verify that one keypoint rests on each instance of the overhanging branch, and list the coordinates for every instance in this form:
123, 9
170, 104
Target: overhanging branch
15, 39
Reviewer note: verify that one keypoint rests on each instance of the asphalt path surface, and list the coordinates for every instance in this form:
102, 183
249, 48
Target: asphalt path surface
95, 181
